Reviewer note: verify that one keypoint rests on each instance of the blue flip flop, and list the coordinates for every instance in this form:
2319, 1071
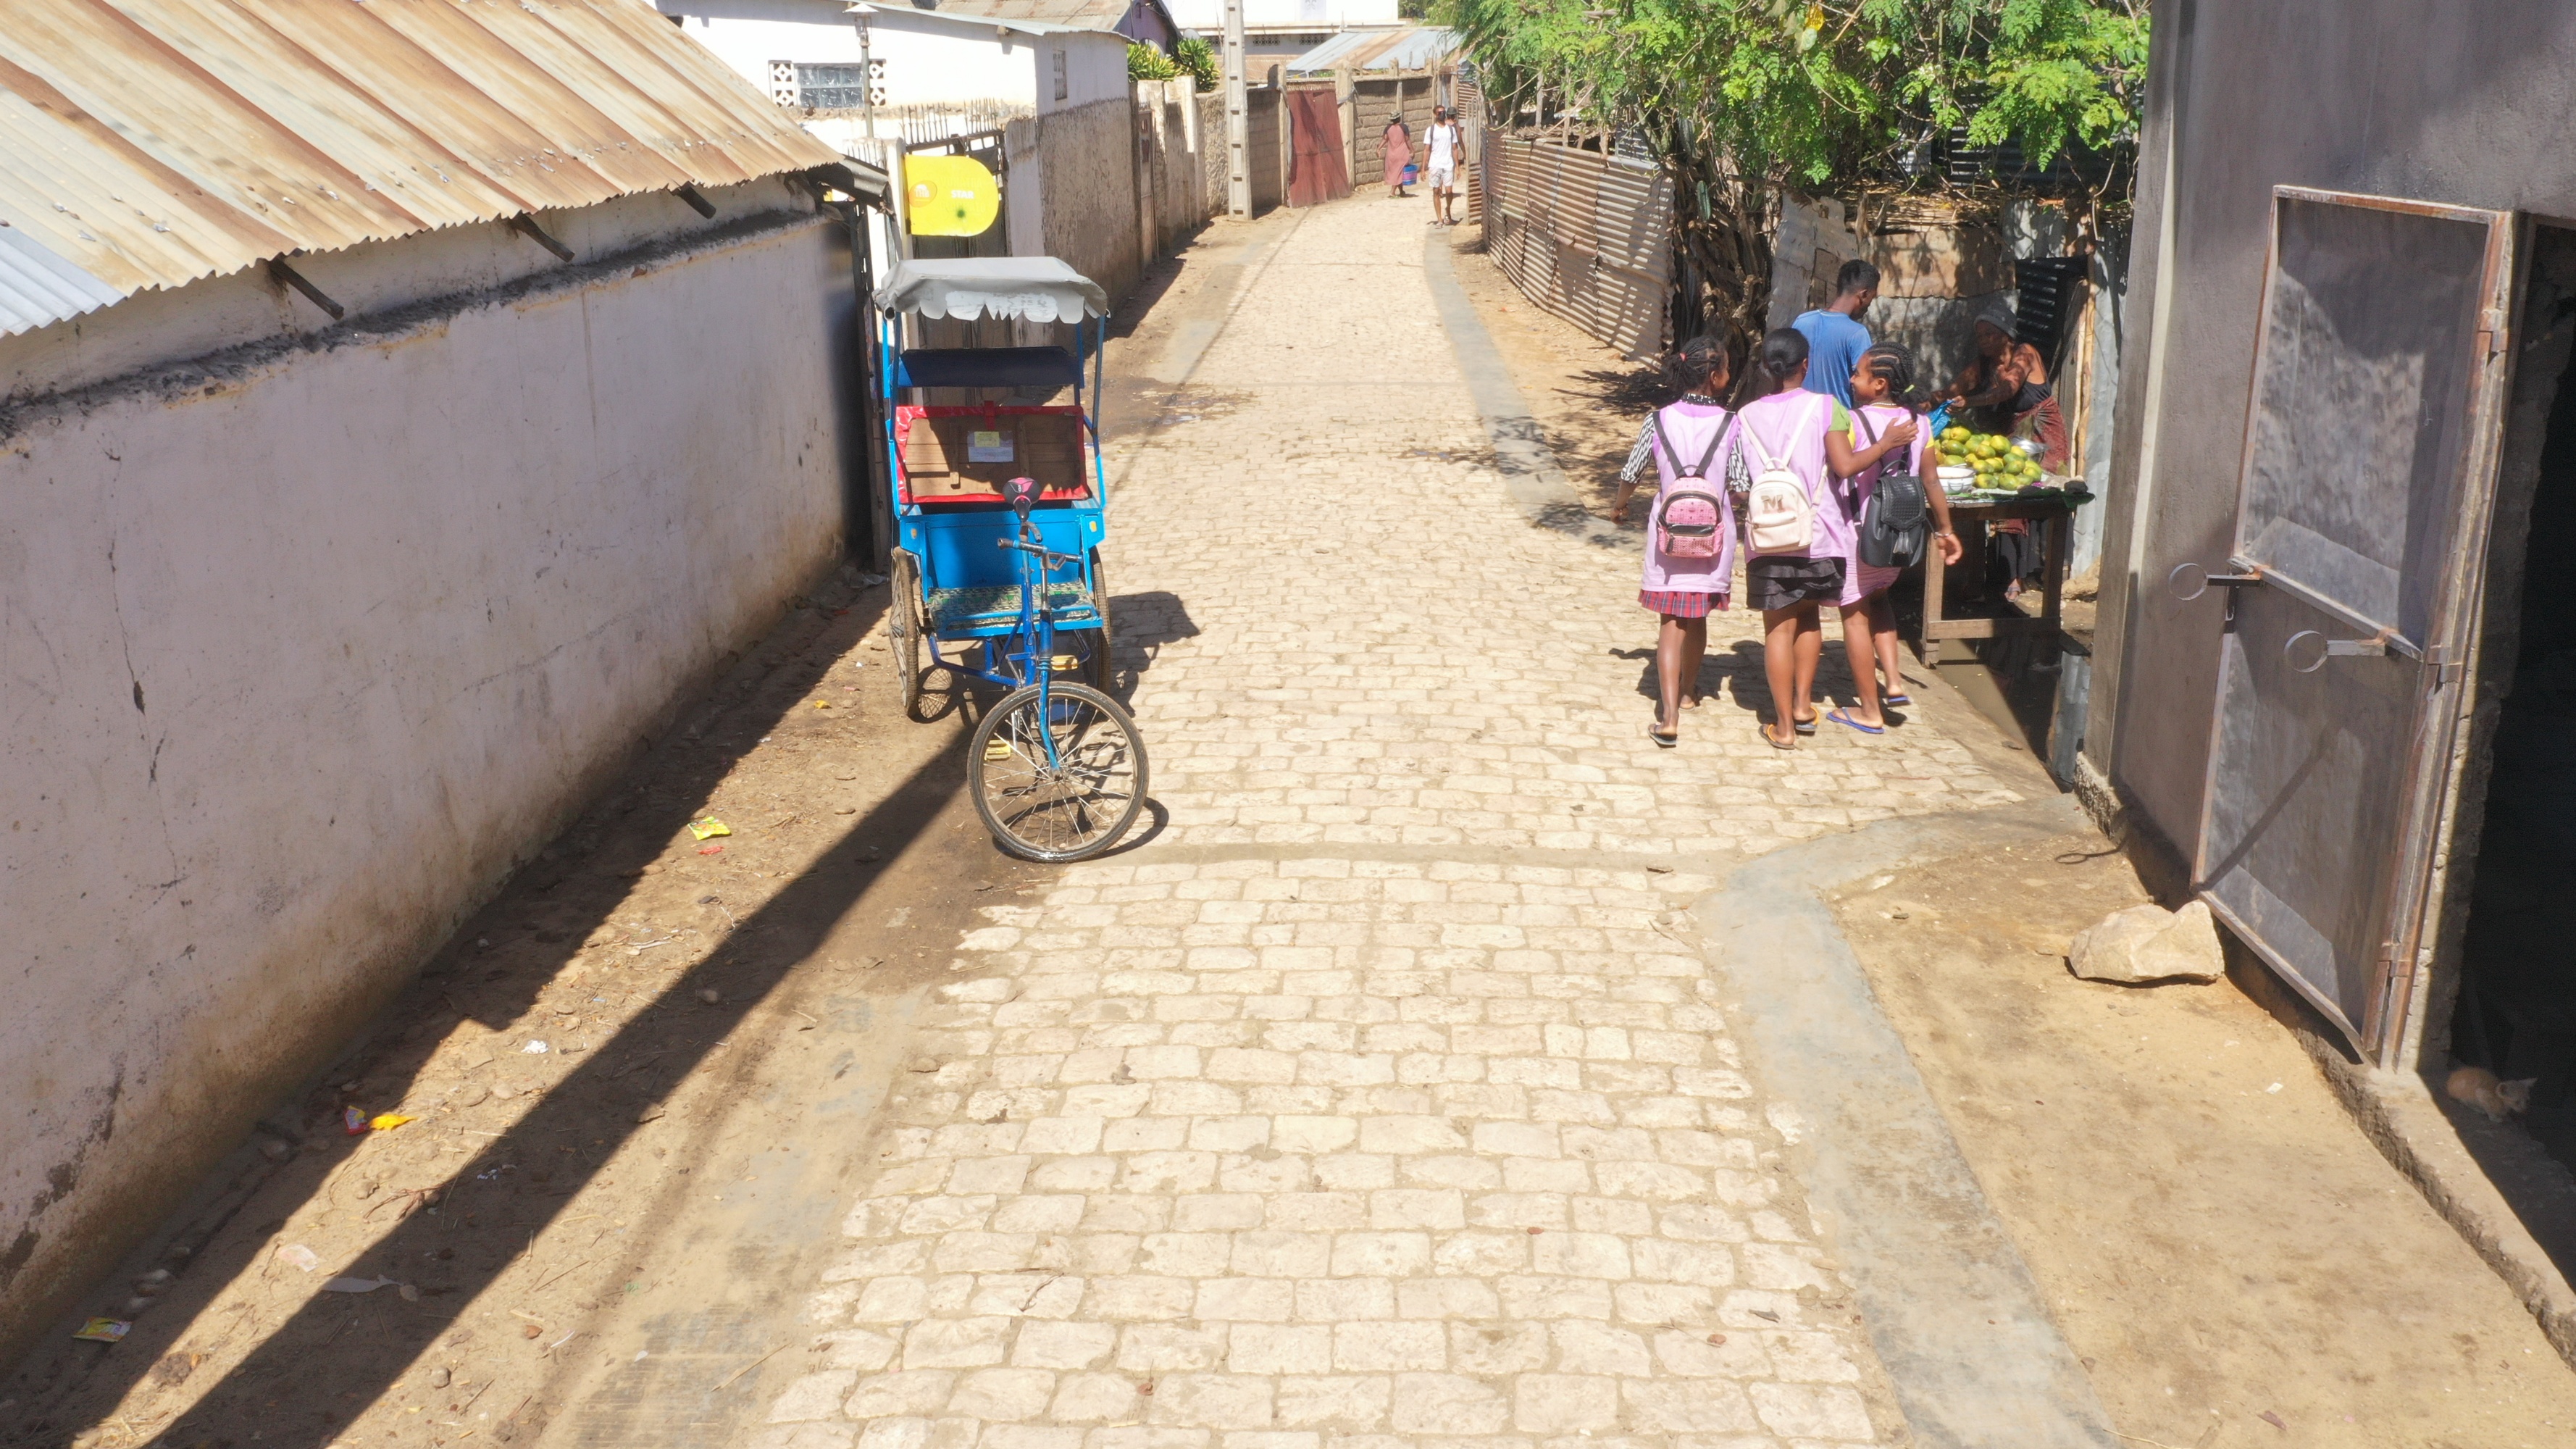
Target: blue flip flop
1847, 722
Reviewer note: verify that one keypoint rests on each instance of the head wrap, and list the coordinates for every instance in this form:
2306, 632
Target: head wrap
1998, 314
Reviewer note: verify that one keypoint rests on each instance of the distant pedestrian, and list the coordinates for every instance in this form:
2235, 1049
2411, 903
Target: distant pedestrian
1445, 149
1399, 155
1801, 543
1835, 336
1690, 531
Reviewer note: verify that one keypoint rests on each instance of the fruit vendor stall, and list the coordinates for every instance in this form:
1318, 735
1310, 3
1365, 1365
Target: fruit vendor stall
1997, 484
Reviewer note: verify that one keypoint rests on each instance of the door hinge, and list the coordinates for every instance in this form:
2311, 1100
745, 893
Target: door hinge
2447, 665
2490, 332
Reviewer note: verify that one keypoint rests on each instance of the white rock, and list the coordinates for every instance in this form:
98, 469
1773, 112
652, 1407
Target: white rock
2149, 943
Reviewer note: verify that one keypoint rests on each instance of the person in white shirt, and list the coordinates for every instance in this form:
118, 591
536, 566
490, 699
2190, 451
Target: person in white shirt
1444, 152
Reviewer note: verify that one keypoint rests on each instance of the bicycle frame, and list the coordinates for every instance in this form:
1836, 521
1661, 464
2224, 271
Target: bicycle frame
1035, 661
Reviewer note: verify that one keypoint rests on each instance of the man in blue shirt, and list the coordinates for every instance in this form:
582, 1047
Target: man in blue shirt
1835, 336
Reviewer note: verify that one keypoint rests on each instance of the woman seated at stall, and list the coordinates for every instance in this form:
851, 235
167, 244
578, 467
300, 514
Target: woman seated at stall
2005, 389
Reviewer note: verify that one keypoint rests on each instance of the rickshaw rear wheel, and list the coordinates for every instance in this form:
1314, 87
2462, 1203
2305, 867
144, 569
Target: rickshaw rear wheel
1104, 674
905, 626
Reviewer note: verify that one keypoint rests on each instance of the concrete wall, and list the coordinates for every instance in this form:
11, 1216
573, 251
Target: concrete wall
1267, 128
309, 643
2414, 98
1087, 163
926, 58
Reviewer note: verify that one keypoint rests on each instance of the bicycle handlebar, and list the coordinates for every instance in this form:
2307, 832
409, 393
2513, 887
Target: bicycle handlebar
1052, 560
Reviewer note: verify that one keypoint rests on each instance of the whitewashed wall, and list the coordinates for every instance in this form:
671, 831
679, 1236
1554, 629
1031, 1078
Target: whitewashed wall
307, 645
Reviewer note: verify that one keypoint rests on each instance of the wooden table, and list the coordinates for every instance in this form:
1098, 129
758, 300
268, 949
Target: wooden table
2055, 518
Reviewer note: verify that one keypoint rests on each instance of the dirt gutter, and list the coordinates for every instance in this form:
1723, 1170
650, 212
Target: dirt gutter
1951, 1306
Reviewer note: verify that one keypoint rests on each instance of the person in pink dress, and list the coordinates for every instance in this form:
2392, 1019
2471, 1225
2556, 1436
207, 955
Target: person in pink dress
1810, 436
1399, 154
1683, 591
1880, 379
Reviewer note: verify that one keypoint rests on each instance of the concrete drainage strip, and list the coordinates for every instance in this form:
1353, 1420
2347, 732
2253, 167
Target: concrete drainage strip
1951, 1308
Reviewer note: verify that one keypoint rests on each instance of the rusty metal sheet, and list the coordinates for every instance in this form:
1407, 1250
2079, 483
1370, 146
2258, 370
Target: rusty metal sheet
1584, 236
149, 143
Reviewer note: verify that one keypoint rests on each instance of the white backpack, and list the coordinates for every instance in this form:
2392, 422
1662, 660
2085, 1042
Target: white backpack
1779, 517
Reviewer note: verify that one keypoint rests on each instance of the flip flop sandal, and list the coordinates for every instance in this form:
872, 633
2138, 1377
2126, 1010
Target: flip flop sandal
1768, 738
1663, 741
1805, 726
1847, 722
1899, 700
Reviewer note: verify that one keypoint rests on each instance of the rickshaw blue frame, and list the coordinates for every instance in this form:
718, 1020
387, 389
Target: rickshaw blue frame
974, 585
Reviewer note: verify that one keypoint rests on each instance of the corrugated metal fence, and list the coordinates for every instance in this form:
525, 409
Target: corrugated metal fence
1586, 236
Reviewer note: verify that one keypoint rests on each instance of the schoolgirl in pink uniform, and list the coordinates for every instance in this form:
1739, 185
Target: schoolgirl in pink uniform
1683, 591
1883, 376
1810, 435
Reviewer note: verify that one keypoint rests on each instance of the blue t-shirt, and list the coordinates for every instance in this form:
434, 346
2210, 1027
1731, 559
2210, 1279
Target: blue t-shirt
1834, 345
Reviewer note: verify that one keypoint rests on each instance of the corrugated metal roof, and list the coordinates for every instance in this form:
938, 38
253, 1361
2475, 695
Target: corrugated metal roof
1066, 14
1411, 48
149, 143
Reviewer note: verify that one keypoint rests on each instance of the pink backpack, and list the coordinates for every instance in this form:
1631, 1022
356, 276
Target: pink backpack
1690, 517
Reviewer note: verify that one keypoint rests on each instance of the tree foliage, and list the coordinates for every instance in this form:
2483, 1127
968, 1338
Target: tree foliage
1197, 59
1745, 98
1145, 63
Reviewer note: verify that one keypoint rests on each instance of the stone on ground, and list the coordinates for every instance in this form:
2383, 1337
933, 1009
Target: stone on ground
2149, 943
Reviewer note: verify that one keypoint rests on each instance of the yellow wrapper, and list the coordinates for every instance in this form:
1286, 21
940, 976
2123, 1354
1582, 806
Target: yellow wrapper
709, 827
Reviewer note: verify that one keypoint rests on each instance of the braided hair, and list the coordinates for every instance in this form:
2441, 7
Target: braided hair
1688, 367
1890, 363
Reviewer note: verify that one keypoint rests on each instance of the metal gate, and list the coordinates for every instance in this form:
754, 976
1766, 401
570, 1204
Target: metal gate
1318, 170
2367, 485
1586, 236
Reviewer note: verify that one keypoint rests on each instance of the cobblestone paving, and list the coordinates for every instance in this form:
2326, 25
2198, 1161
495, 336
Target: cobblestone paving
1372, 1104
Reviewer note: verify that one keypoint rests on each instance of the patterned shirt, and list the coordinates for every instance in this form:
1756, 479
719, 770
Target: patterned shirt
1642, 455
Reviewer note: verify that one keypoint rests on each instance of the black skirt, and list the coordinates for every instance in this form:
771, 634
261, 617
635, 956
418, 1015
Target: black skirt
1782, 580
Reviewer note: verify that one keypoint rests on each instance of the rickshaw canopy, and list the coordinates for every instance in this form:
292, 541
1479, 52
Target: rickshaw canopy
1038, 289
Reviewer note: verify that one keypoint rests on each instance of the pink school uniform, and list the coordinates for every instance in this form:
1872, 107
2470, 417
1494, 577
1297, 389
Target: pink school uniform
1690, 588
1860, 580
1790, 428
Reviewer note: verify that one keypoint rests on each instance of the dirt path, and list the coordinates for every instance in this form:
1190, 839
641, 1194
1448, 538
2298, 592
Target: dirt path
595, 1241
2214, 1234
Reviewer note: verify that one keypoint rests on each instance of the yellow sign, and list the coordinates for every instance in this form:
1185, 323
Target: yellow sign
949, 195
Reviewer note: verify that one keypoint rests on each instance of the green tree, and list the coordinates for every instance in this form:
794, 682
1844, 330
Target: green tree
1145, 63
1746, 99
1197, 59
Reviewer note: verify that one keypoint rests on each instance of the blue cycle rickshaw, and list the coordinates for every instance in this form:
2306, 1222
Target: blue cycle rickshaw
999, 513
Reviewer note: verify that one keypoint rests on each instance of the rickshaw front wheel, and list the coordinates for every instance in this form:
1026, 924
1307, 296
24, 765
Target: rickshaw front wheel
1058, 774
905, 626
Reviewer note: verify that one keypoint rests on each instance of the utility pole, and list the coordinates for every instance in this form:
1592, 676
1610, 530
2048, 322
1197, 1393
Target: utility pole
1238, 120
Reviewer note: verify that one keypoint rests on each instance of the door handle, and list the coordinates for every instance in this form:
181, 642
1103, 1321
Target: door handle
2300, 644
2189, 581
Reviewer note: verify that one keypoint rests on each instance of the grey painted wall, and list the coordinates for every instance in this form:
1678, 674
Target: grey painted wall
2432, 99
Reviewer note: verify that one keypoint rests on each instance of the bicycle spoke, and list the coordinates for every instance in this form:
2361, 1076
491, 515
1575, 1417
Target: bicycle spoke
1059, 802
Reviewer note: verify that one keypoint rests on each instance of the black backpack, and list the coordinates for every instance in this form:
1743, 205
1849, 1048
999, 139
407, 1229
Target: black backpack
1895, 527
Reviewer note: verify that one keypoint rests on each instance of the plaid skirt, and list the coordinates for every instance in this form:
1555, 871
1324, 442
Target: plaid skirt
1678, 603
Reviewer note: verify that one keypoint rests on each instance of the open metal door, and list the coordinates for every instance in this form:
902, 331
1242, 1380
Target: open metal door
2369, 465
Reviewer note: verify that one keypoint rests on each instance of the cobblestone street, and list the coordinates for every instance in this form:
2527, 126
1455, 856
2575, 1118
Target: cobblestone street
1372, 1100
